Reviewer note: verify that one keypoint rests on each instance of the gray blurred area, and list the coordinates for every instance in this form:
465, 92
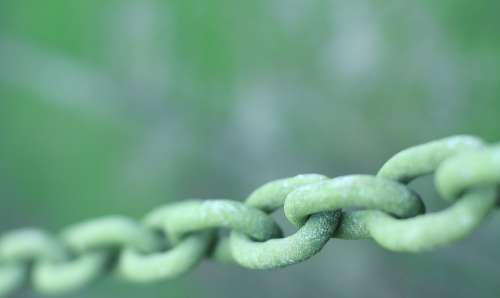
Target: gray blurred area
115, 107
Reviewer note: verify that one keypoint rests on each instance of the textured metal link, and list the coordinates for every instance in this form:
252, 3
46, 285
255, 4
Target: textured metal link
174, 239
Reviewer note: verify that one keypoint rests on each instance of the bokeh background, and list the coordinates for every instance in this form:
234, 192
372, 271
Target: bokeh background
115, 107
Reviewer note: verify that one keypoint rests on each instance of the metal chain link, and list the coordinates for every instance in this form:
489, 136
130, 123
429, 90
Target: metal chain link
174, 239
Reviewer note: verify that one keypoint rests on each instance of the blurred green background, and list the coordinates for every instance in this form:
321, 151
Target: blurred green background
115, 107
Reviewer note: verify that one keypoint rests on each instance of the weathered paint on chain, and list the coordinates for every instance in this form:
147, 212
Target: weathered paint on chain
174, 239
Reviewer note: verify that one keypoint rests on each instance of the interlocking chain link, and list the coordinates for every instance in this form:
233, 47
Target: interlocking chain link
174, 239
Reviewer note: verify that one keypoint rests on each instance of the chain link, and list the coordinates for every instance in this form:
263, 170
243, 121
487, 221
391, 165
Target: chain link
174, 239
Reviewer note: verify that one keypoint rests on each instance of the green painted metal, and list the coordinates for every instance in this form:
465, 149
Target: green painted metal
174, 239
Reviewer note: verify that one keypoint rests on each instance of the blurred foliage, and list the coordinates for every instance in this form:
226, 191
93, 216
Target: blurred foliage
119, 106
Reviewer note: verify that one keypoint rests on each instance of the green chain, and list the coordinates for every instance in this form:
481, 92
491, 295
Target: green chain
175, 238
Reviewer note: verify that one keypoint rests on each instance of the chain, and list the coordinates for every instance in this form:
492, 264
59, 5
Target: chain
174, 239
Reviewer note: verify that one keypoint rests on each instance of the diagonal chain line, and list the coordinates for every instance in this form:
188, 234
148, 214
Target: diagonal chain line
174, 239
